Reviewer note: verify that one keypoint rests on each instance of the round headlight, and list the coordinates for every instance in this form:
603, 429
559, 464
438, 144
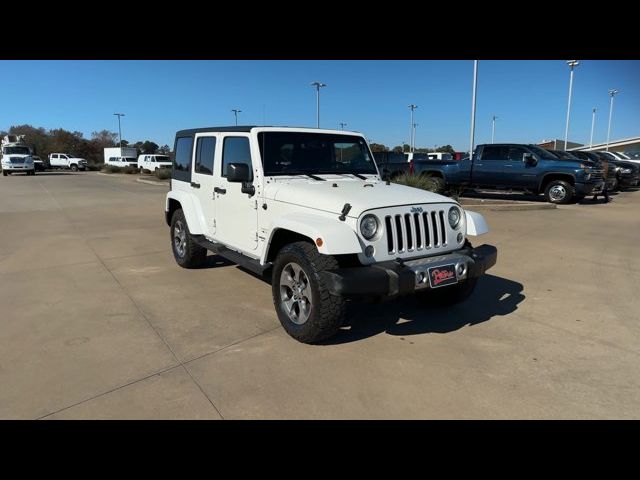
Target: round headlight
369, 226
454, 217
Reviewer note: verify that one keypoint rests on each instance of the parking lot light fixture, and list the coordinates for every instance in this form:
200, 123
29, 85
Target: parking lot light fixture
493, 128
342, 125
318, 86
473, 108
236, 112
612, 93
413, 138
572, 64
593, 123
119, 128
412, 107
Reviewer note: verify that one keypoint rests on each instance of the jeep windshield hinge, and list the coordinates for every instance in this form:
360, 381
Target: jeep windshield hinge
345, 211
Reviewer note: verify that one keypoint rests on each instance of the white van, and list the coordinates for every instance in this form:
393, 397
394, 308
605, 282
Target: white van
152, 162
122, 162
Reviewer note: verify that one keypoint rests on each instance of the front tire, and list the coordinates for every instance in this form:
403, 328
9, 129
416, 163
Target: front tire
74, 168
187, 253
559, 191
305, 308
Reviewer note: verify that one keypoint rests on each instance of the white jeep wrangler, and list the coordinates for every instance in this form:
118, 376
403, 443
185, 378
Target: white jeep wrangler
308, 208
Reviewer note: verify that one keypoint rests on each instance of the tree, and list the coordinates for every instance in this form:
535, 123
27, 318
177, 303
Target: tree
105, 138
446, 148
36, 138
165, 149
378, 147
149, 147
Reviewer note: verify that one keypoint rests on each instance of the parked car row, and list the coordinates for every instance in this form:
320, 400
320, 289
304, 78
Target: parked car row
562, 177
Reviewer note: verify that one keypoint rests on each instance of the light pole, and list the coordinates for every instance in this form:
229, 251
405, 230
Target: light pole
318, 86
413, 138
593, 123
412, 107
612, 93
342, 125
572, 64
236, 112
119, 129
473, 108
493, 128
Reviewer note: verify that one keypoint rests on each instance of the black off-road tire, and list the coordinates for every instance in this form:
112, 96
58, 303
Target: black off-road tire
4, 174
74, 168
327, 311
563, 184
448, 296
190, 255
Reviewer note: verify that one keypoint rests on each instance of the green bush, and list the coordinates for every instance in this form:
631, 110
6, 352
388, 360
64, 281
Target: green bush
114, 169
423, 182
163, 173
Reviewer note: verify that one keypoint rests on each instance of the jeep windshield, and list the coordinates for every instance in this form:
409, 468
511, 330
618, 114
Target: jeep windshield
302, 153
16, 150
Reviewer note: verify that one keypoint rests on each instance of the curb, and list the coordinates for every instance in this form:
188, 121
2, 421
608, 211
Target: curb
152, 182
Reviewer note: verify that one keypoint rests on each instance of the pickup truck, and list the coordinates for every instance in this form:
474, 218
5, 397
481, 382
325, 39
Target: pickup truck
507, 166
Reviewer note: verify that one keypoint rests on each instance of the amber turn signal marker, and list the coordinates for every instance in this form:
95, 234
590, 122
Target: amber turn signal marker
319, 242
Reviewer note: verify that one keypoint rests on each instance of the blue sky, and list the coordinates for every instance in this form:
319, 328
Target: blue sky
160, 97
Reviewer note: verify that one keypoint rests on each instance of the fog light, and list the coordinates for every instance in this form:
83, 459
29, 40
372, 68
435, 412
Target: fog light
421, 277
461, 269
460, 237
369, 251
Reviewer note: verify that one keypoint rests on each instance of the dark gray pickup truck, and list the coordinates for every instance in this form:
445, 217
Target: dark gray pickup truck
505, 166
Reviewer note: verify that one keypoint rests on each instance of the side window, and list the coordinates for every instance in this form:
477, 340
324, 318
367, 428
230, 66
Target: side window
112, 159
491, 152
235, 150
515, 153
182, 160
205, 151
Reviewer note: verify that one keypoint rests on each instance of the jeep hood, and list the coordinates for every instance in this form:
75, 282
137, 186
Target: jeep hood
325, 196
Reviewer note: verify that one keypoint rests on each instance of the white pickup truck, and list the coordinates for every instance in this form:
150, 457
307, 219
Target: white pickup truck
307, 208
152, 162
67, 162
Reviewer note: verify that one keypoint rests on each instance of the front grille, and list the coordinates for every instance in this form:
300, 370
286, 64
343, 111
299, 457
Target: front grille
415, 231
597, 174
17, 161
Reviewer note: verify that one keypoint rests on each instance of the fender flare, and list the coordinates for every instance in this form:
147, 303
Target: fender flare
547, 174
192, 214
476, 224
338, 238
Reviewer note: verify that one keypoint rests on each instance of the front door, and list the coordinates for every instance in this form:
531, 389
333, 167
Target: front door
202, 181
236, 212
523, 174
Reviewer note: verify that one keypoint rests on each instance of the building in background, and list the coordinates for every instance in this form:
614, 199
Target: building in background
631, 144
558, 144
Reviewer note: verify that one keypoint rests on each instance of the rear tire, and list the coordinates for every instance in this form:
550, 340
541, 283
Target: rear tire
439, 184
305, 308
559, 192
188, 254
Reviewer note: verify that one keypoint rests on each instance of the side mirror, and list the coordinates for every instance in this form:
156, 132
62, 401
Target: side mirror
238, 172
528, 159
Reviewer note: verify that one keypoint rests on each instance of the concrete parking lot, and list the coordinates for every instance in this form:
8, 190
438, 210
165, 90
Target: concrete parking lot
97, 321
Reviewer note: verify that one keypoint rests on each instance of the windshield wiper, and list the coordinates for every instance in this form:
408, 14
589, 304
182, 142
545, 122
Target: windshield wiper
311, 175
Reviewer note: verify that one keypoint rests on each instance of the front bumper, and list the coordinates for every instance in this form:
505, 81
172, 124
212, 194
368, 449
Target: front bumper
17, 168
588, 188
395, 278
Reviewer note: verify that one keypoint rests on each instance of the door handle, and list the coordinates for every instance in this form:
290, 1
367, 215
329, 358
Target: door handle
195, 185
219, 190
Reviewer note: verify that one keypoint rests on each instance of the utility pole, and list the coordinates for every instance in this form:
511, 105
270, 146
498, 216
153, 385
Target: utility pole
593, 123
119, 129
236, 112
413, 138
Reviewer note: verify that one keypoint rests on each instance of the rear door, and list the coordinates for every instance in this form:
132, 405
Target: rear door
202, 181
490, 169
236, 212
